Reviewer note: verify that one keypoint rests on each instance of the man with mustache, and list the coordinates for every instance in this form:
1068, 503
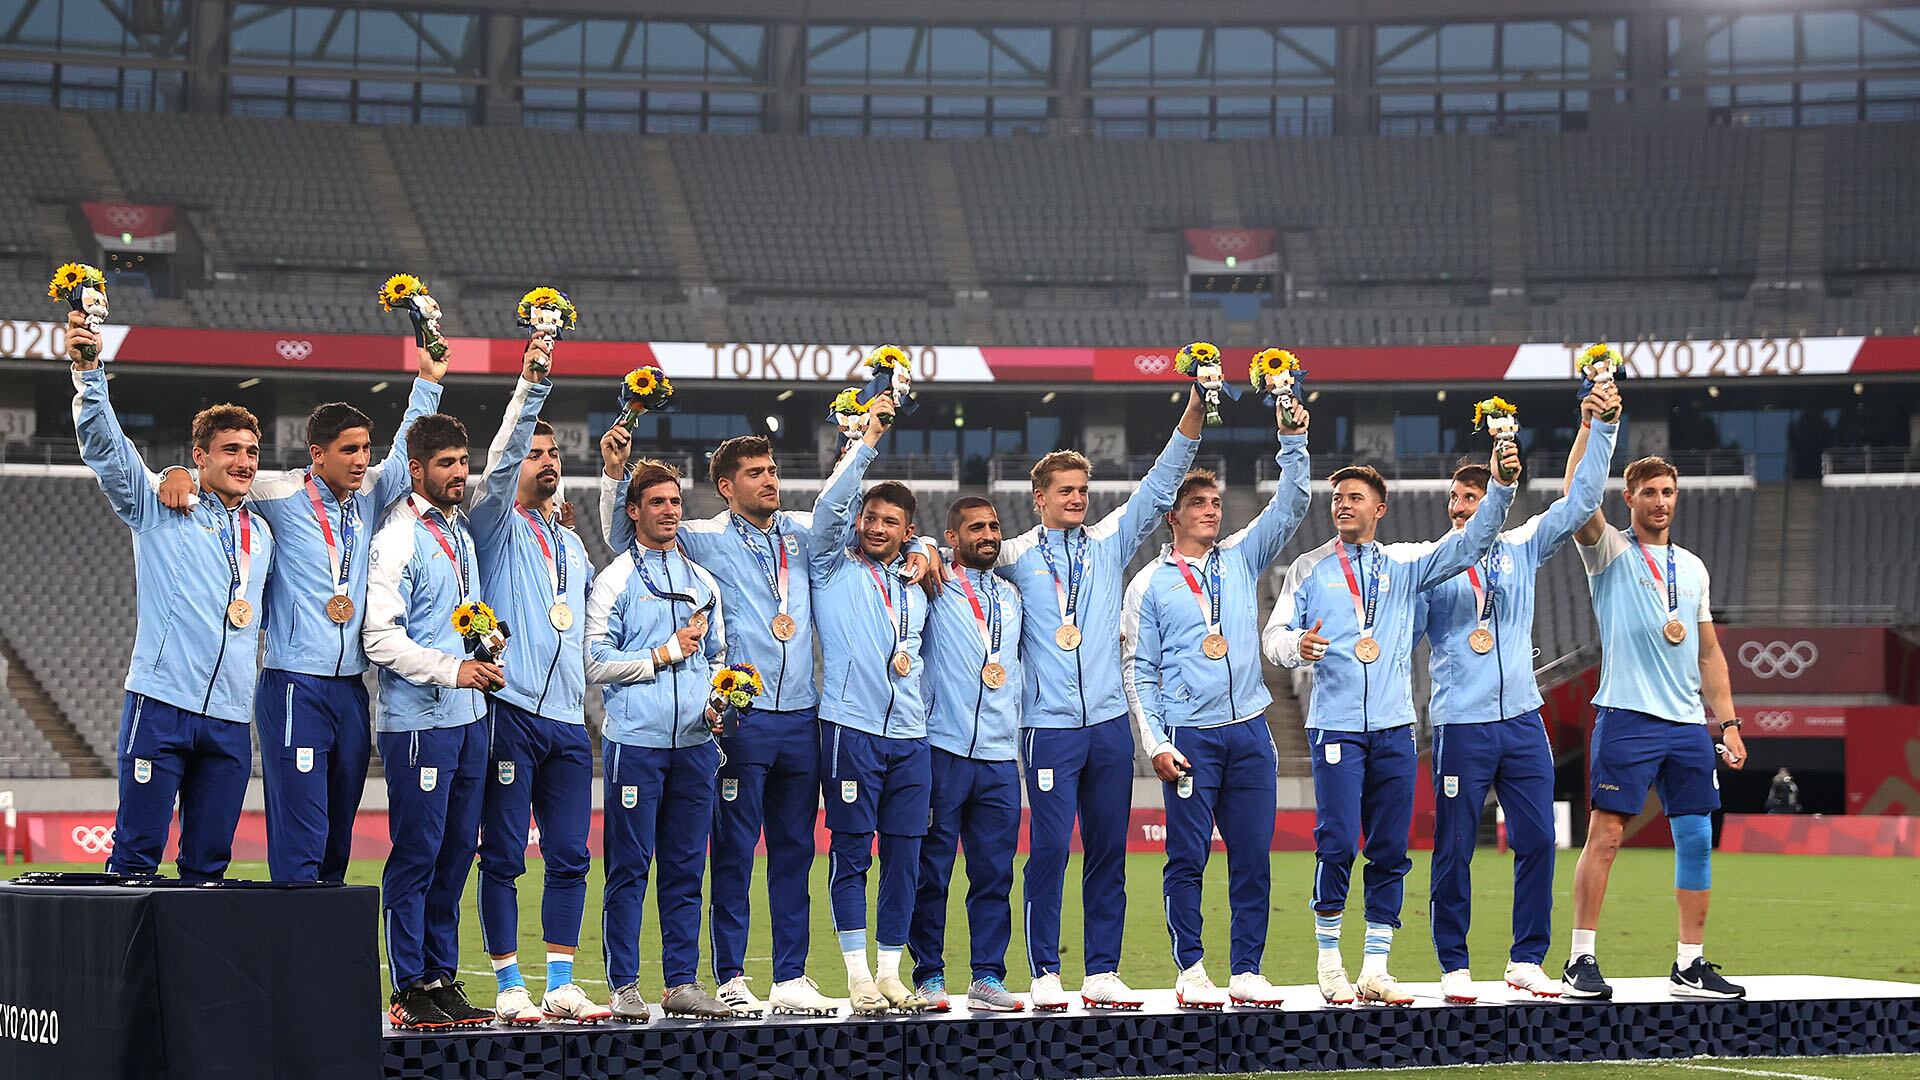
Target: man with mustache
1190, 649
311, 702
655, 636
770, 770
1487, 731
433, 743
533, 573
199, 578
1360, 717
973, 680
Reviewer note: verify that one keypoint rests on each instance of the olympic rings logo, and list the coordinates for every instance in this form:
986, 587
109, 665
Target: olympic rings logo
1773, 720
1230, 241
1152, 363
126, 218
293, 349
93, 839
1778, 659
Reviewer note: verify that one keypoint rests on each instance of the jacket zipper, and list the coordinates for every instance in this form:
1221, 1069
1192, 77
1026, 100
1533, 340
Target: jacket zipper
221, 656
341, 662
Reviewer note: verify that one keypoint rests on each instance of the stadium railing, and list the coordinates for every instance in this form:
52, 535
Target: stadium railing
1851, 460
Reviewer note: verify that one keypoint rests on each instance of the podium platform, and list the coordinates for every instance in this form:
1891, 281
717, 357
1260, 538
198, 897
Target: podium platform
1785, 1015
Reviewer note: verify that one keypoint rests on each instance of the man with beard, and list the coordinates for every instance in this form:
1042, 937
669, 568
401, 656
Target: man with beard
533, 573
433, 745
973, 680
198, 576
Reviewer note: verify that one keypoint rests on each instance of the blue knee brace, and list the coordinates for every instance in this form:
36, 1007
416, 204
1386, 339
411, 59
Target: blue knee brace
1692, 845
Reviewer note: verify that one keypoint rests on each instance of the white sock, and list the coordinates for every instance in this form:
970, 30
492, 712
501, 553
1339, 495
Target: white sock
889, 963
857, 970
1583, 943
1687, 955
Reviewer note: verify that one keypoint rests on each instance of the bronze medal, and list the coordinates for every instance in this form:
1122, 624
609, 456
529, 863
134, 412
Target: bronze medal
784, 627
1215, 646
561, 616
1067, 637
994, 676
1481, 640
902, 664
240, 614
698, 622
1368, 650
1676, 631
340, 608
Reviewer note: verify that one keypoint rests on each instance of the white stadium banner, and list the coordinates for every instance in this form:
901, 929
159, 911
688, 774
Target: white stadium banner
1715, 359
812, 363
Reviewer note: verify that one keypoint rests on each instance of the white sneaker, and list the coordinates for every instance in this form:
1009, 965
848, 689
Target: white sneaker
865, 999
1193, 990
1252, 990
1104, 990
1334, 987
1047, 994
1457, 987
1529, 979
800, 997
736, 995
1382, 989
515, 1006
568, 1002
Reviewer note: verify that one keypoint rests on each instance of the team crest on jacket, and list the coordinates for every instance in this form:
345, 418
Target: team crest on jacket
429, 778
629, 796
1452, 786
142, 770
729, 789
849, 790
1044, 778
793, 544
1333, 753
303, 759
1185, 787
504, 769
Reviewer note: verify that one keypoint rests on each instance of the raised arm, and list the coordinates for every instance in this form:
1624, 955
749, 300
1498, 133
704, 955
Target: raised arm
1140, 662
1154, 494
1266, 534
1581, 500
389, 479
1604, 398
109, 453
1461, 548
606, 618
390, 585
494, 508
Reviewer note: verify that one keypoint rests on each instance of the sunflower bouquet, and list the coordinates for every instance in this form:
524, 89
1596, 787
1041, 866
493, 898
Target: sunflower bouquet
1597, 364
1276, 375
644, 390
734, 688
410, 294
849, 413
890, 370
484, 633
547, 313
1200, 361
84, 288
1500, 419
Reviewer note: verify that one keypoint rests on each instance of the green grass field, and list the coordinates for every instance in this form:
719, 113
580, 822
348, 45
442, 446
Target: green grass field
1773, 914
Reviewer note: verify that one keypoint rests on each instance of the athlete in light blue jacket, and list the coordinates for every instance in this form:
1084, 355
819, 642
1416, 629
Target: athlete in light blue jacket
1078, 751
199, 578
1190, 642
1487, 731
430, 727
311, 701
1347, 608
655, 636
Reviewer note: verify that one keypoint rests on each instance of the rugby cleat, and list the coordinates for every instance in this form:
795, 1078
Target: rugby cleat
800, 997
865, 999
1047, 994
1104, 990
412, 1010
1193, 990
692, 1002
451, 996
1251, 990
628, 1004
1701, 979
1457, 987
735, 994
1334, 987
1582, 979
1529, 979
515, 1006
899, 997
568, 1002
1382, 989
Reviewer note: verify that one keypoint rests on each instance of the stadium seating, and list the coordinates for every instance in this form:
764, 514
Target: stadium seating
1873, 198
1870, 566
24, 752
37, 168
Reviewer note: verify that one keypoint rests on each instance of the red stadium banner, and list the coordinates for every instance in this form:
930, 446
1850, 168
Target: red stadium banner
1238, 251
1806, 659
131, 226
1818, 834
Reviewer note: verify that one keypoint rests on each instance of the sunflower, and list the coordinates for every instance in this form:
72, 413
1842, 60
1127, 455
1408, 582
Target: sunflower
641, 382
1195, 354
848, 403
72, 276
399, 289
463, 620
548, 296
1270, 362
473, 619
887, 358
725, 680
1493, 406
